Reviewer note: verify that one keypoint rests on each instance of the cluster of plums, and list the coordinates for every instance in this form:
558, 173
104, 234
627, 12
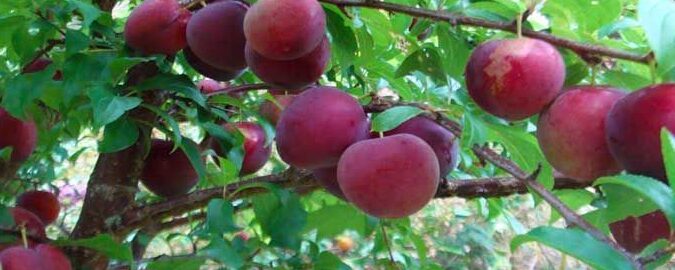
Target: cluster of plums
283, 42
585, 132
33, 211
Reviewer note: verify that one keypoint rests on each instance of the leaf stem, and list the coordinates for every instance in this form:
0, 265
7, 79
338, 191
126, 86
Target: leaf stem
388, 244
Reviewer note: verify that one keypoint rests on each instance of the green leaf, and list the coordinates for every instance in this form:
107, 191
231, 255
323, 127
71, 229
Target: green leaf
574, 199
76, 41
6, 219
343, 43
22, 90
668, 149
425, 60
103, 243
118, 135
649, 189
657, 17
177, 264
281, 216
83, 71
108, 107
174, 83
328, 261
220, 216
577, 244
394, 117
194, 155
222, 251
89, 11
344, 217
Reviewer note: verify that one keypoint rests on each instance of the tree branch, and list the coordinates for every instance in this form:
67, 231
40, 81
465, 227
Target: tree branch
239, 88
583, 49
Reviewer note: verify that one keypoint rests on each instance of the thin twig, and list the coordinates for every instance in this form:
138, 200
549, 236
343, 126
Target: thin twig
239, 88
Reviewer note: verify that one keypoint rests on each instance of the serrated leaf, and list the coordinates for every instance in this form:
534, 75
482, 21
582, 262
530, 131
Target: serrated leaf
649, 189
394, 117
220, 216
103, 243
577, 244
118, 135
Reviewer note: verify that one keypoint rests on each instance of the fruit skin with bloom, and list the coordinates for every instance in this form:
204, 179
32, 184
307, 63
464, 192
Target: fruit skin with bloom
166, 173
20, 135
41, 257
514, 78
284, 29
317, 127
634, 129
207, 70
157, 27
389, 177
256, 150
571, 132
43, 204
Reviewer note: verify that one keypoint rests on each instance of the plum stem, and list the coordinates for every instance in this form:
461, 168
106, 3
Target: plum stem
519, 25
381, 134
388, 244
24, 238
594, 74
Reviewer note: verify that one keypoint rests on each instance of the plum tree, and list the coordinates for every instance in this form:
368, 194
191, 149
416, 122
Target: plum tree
284, 29
318, 126
271, 110
208, 70
389, 177
571, 132
207, 86
41, 203
634, 126
18, 134
157, 27
215, 34
441, 140
636, 233
515, 78
43, 256
327, 178
256, 149
32, 223
167, 173
290, 74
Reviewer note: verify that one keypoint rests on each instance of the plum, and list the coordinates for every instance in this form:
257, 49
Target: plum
571, 132
290, 74
389, 177
284, 29
43, 256
167, 173
215, 34
207, 86
515, 78
32, 223
256, 150
207, 70
636, 233
41, 203
441, 140
327, 178
318, 126
634, 126
40, 64
271, 111
18, 134
157, 27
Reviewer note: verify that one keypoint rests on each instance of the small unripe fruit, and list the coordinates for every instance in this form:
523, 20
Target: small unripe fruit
441, 140
39, 65
344, 243
167, 173
571, 132
284, 29
271, 111
41, 203
318, 126
290, 74
515, 78
18, 134
634, 129
390, 177
157, 27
